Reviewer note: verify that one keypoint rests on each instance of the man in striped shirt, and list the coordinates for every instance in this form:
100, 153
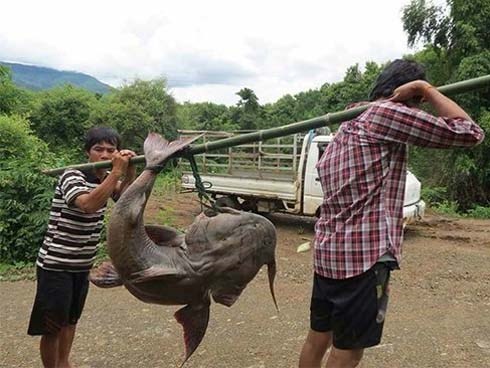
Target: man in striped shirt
69, 247
358, 236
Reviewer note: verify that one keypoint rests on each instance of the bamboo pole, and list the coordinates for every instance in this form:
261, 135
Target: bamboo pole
301, 126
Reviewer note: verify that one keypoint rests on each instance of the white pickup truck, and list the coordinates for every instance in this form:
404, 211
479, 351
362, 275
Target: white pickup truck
278, 175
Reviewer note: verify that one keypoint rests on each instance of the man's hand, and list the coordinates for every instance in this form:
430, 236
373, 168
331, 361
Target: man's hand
443, 105
120, 164
410, 90
126, 152
131, 169
129, 173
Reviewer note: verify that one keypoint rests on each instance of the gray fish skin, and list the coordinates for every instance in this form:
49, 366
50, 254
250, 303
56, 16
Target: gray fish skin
217, 256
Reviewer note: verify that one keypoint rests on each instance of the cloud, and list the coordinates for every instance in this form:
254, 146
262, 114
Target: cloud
205, 49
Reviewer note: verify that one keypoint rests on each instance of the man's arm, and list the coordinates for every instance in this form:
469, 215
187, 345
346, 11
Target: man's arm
391, 121
97, 198
443, 105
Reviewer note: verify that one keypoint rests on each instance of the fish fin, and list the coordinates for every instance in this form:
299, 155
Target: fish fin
154, 273
105, 276
227, 299
164, 236
194, 320
158, 150
271, 273
227, 293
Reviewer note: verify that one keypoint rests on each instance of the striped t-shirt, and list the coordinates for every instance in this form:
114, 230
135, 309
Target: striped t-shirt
72, 236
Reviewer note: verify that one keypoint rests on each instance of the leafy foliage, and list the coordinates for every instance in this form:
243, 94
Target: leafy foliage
60, 116
457, 48
479, 212
205, 116
248, 110
25, 193
12, 99
136, 109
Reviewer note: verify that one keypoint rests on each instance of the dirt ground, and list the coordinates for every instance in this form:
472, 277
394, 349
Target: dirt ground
438, 316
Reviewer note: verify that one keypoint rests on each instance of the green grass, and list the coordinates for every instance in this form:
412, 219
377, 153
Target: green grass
449, 208
18, 271
479, 212
437, 199
165, 217
167, 183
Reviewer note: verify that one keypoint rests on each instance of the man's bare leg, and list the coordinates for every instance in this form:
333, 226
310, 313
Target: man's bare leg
67, 333
49, 350
344, 358
314, 349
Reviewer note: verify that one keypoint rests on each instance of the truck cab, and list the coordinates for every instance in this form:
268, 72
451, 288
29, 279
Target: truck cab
413, 208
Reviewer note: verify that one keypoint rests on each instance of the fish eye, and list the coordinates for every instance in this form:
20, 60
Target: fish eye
210, 212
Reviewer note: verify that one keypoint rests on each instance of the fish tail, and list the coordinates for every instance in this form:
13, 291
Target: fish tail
271, 272
194, 320
158, 150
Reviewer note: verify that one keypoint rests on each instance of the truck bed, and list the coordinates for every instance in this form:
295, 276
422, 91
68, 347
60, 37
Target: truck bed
248, 185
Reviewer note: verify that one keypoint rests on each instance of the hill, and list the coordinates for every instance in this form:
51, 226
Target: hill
38, 78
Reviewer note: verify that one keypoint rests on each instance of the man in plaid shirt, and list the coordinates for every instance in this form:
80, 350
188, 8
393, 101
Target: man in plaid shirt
359, 233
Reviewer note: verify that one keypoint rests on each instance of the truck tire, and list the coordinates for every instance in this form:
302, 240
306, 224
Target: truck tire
249, 205
229, 201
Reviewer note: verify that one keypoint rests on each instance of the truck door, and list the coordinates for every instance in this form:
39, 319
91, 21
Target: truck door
313, 194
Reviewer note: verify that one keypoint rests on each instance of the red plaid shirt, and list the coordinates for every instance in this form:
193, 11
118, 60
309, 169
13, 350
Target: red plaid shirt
363, 173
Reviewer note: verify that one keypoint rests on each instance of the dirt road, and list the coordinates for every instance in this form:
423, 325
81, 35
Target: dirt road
439, 312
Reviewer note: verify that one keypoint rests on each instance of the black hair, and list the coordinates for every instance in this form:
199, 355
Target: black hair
394, 75
102, 134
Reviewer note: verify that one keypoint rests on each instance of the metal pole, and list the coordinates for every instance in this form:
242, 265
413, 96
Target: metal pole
301, 126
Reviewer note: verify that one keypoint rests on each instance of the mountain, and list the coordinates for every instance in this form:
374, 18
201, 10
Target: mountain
38, 78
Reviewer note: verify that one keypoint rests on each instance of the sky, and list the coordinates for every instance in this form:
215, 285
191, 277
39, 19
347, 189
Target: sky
206, 50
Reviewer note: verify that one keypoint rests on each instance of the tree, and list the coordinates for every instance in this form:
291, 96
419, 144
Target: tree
462, 30
457, 47
137, 109
204, 116
426, 22
280, 112
25, 193
13, 100
60, 116
248, 113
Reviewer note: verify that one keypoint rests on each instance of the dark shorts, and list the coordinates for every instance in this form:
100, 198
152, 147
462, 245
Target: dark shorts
352, 309
59, 301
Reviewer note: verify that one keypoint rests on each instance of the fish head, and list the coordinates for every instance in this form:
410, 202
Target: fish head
232, 237
240, 244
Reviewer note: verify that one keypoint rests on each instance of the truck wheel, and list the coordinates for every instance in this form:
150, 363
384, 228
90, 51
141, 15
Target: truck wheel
249, 205
231, 202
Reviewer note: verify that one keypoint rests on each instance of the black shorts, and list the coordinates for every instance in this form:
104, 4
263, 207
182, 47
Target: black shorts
352, 309
59, 301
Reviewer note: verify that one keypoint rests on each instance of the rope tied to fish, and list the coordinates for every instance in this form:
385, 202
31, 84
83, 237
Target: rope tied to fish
211, 209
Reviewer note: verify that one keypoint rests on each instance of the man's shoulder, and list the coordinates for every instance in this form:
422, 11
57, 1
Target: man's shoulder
70, 175
387, 110
387, 104
72, 172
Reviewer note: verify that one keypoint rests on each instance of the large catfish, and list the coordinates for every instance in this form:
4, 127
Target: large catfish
217, 256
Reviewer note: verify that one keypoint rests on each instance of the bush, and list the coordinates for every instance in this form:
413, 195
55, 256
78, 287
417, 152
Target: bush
25, 193
434, 195
448, 208
479, 212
